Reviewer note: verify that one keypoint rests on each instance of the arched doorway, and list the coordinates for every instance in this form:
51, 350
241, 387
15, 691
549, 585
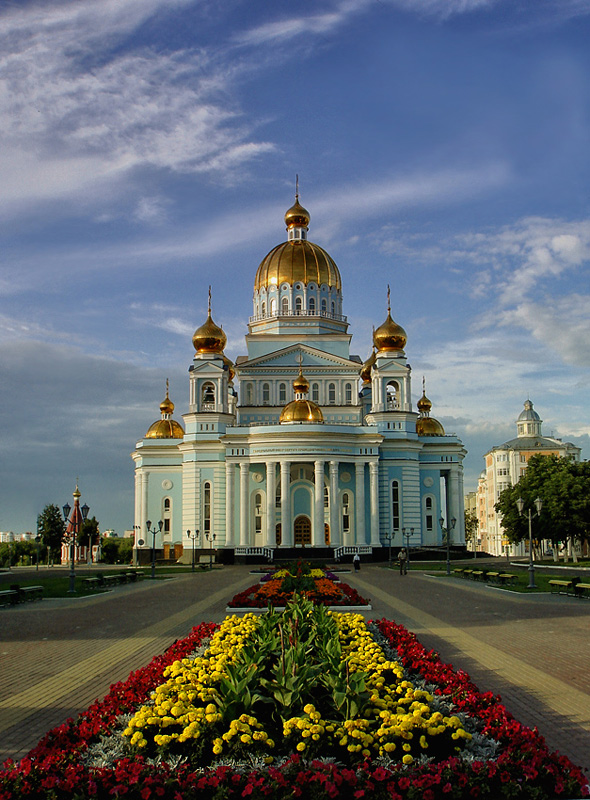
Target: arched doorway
302, 530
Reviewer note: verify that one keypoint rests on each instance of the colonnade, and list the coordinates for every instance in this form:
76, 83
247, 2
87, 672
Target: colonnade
283, 514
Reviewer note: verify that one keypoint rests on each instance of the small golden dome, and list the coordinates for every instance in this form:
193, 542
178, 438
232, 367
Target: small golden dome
165, 429
424, 403
301, 411
389, 336
365, 372
297, 216
167, 406
428, 426
209, 338
301, 384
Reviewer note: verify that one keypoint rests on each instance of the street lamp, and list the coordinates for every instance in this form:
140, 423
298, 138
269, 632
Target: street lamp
73, 527
407, 535
37, 542
538, 506
153, 531
446, 531
210, 538
389, 537
193, 536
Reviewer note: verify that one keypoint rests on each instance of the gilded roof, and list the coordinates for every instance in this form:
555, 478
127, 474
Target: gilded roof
301, 411
165, 429
297, 260
428, 426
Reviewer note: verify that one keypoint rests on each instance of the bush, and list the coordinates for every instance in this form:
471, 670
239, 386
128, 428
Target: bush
117, 551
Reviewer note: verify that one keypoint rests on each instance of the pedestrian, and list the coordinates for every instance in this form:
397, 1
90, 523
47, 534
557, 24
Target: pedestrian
357, 562
403, 562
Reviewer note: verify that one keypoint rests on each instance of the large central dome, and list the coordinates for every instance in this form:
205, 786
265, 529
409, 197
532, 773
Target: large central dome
297, 260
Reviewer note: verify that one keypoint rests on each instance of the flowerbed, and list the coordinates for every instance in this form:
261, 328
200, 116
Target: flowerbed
308, 703
277, 589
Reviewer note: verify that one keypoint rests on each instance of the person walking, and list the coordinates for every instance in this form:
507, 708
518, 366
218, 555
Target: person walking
403, 562
357, 562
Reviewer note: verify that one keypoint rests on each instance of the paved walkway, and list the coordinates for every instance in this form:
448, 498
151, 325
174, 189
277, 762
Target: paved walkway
58, 656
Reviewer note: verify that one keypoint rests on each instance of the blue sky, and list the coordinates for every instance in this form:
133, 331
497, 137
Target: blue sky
149, 148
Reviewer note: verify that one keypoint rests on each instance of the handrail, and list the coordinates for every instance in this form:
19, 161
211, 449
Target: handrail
267, 552
361, 549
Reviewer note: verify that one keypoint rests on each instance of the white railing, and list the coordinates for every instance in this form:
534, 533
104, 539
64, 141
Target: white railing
303, 312
361, 549
266, 552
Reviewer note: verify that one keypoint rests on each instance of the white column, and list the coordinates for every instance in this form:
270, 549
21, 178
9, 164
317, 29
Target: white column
244, 516
230, 475
374, 484
271, 501
144, 506
318, 517
334, 526
286, 526
359, 534
453, 510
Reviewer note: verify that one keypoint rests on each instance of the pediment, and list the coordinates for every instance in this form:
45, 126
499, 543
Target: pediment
289, 358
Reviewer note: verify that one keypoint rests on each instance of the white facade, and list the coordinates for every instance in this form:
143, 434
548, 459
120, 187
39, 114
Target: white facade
244, 471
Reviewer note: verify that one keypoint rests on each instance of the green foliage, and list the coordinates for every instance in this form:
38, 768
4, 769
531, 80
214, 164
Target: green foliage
470, 525
117, 551
51, 529
564, 488
89, 531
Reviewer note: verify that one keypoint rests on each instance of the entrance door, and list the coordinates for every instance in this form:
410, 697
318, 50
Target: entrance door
302, 530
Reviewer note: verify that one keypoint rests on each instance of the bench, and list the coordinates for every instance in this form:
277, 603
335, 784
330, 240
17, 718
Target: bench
493, 576
559, 585
507, 578
31, 593
459, 571
8, 597
476, 574
580, 589
467, 572
110, 580
90, 583
133, 576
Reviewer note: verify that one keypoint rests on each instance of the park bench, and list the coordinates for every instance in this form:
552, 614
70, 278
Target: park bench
133, 576
580, 589
8, 597
459, 571
110, 580
560, 585
91, 583
493, 576
31, 593
507, 578
477, 574
467, 572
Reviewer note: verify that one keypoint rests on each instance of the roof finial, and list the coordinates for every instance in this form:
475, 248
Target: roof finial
209, 307
388, 300
423, 385
300, 360
167, 388
296, 188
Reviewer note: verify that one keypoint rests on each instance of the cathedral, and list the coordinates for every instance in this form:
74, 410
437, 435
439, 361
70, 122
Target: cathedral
297, 448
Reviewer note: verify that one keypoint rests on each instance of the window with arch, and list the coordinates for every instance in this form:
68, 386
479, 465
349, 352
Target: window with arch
311, 305
263, 307
392, 390
429, 518
258, 512
333, 307
167, 504
298, 304
332, 394
324, 306
326, 497
273, 307
208, 393
282, 393
395, 505
265, 394
345, 513
249, 391
315, 392
207, 507
348, 394
285, 305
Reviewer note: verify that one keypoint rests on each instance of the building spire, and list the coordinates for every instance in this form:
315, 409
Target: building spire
297, 188
388, 300
209, 304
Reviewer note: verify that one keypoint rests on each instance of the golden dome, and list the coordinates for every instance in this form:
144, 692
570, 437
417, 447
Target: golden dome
428, 426
424, 403
209, 338
297, 260
165, 429
389, 335
301, 384
297, 216
365, 372
301, 411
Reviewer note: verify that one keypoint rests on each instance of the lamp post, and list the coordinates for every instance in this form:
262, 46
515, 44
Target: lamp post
446, 531
538, 506
389, 537
406, 534
153, 531
210, 538
73, 527
37, 542
136, 543
193, 536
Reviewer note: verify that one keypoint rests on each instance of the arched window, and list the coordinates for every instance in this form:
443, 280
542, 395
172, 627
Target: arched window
348, 394
333, 308
207, 507
395, 505
332, 394
273, 307
265, 394
258, 513
324, 306
167, 504
392, 396
282, 393
326, 497
285, 305
311, 305
298, 305
345, 513
315, 392
263, 308
208, 394
249, 394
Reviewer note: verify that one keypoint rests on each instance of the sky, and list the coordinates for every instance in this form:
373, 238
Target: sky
149, 148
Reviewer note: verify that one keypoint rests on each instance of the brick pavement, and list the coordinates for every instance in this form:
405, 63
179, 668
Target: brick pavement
57, 657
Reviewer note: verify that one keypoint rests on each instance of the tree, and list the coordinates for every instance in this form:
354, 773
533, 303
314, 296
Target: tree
564, 488
89, 532
51, 529
117, 551
471, 525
